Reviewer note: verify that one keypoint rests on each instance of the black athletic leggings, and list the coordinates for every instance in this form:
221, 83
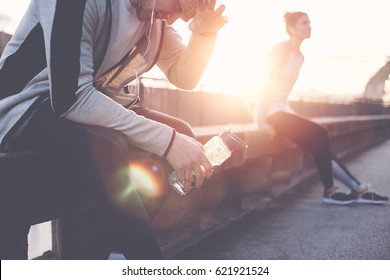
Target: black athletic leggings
314, 139
100, 209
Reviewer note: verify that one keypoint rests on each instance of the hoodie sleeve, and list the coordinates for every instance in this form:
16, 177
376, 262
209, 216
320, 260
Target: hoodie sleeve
69, 29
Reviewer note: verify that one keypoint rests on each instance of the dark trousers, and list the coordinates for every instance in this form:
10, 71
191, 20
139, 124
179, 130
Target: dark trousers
314, 139
101, 209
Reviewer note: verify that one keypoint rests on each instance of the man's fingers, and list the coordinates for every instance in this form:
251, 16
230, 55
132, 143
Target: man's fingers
219, 11
206, 4
211, 4
199, 177
187, 180
201, 4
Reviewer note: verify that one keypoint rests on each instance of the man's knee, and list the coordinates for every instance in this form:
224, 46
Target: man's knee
184, 128
105, 139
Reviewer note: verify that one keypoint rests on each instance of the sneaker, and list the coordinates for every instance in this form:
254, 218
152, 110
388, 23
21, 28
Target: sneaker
335, 196
368, 196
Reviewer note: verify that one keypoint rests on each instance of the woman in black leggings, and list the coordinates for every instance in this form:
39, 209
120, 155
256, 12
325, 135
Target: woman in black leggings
284, 63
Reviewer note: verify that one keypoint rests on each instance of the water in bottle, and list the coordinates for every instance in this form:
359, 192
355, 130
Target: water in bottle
217, 150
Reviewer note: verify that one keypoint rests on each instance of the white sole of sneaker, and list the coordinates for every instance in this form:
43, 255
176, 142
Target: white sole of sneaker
367, 201
335, 202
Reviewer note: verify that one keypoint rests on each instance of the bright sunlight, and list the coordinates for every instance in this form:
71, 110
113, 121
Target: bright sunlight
347, 37
349, 43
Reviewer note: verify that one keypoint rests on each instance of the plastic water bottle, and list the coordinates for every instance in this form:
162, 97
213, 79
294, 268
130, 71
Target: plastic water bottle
217, 150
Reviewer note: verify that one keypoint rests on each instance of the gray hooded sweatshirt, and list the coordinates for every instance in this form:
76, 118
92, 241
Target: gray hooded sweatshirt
66, 50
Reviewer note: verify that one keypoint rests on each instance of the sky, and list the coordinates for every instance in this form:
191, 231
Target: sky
349, 42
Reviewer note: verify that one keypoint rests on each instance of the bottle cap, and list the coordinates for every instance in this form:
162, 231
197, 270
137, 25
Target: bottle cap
232, 141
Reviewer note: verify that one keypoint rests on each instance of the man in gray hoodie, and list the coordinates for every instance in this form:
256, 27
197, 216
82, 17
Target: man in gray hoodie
63, 93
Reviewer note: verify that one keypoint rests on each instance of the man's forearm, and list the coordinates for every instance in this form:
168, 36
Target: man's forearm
193, 61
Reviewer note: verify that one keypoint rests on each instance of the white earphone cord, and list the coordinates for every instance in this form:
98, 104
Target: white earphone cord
148, 47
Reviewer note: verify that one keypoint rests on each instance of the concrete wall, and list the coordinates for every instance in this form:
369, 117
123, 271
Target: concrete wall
204, 109
197, 108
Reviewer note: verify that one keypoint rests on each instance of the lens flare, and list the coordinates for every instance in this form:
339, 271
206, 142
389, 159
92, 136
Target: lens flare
146, 177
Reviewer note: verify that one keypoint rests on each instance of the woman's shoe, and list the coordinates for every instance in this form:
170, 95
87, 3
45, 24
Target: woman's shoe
366, 195
335, 196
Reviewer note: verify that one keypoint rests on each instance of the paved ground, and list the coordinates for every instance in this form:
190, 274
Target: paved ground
301, 227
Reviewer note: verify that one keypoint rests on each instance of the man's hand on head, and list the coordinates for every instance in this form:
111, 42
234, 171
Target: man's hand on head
208, 20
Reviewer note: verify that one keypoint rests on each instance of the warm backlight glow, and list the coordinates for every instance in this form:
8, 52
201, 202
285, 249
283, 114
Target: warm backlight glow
349, 43
348, 36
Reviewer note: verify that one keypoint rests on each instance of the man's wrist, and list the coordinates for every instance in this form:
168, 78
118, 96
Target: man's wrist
170, 144
206, 34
